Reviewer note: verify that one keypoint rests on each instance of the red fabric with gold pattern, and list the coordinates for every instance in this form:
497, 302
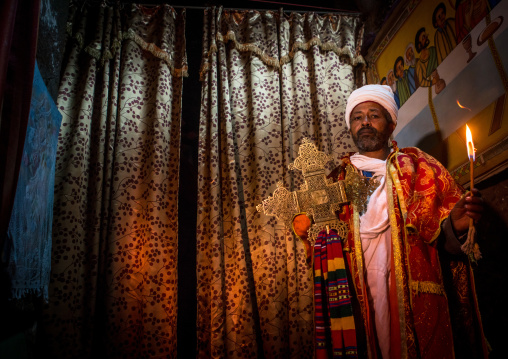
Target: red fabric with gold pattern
438, 283
440, 310
429, 193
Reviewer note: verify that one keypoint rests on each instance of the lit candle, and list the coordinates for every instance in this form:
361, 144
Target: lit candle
469, 246
470, 154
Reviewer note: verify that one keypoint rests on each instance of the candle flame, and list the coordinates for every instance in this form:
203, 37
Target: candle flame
470, 145
458, 103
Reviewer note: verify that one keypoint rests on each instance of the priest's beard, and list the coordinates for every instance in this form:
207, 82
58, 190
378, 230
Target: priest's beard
368, 139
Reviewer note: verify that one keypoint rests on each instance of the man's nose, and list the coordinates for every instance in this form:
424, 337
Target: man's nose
365, 121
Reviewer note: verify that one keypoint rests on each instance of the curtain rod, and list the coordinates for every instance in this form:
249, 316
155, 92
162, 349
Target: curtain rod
340, 12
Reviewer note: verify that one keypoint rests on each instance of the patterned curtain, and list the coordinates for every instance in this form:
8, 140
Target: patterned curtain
269, 79
113, 290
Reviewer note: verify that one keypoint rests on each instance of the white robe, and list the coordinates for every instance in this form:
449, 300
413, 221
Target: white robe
375, 234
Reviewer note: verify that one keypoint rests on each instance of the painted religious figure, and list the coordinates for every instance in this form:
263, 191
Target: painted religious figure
444, 39
468, 13
390, 81
410, 61
427, 62
402, 80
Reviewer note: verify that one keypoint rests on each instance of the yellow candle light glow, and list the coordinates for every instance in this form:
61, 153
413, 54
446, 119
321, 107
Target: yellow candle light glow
470, 145
470, 153
469, 246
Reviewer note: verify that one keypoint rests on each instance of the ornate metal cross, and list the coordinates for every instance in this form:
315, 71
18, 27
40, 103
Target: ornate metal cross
319, 197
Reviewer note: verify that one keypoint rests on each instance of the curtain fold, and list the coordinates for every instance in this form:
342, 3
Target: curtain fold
113, 289
269, 79
18, 45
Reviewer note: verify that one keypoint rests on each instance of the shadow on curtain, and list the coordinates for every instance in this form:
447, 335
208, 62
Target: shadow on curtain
269, 79
113, 290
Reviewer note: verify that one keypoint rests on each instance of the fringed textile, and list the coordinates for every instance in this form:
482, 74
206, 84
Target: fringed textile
28, 245
335, 327
285, 36
164, 49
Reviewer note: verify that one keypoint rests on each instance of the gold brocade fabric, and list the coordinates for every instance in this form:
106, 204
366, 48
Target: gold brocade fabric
113, 290
359, 188
267, 83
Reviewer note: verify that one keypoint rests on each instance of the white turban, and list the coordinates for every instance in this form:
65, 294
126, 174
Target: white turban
380, 94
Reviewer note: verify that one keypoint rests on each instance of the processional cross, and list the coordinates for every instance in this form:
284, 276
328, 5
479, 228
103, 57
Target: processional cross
319, 197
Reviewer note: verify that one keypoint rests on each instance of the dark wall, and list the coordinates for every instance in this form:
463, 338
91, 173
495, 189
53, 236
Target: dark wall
491, 273
18, 319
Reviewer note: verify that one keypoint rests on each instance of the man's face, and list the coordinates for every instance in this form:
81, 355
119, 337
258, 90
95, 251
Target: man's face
424, 40
369, 127
410, 54
390, 78
399, 68
440, 18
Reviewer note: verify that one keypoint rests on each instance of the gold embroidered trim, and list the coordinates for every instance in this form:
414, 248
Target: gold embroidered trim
327, 46
157, 52
242, 47
358, 245
427, 287
395, 155
104, 56
398, 188
397, 258
355, 59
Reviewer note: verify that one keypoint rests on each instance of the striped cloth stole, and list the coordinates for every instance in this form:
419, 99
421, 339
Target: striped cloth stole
335, 328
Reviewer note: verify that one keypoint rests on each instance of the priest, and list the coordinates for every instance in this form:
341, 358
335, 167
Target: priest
399, 285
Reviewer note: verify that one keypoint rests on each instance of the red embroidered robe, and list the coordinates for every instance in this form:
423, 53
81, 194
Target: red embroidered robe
433, 306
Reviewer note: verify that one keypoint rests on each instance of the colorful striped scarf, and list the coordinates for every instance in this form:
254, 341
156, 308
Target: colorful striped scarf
335, 327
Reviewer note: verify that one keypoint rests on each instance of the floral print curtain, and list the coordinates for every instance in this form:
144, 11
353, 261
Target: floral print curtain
269, 79
113, 290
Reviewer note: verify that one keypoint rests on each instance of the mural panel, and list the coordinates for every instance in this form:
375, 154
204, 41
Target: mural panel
445, 63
